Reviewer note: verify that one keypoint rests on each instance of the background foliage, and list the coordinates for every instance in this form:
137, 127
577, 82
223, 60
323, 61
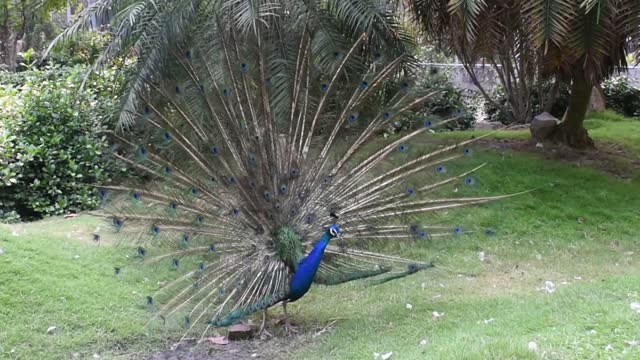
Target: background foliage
52, 140
621, 96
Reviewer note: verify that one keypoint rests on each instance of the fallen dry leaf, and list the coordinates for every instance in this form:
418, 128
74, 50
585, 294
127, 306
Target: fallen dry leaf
218, 340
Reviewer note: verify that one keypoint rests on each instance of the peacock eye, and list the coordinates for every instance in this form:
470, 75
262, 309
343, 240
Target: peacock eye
333, 232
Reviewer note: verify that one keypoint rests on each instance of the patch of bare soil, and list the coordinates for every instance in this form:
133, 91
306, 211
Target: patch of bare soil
608, 157
272, 344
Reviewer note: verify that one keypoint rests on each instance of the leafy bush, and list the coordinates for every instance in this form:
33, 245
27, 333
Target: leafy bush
52, 142
621, 96
494, 114
449, 103
81, 49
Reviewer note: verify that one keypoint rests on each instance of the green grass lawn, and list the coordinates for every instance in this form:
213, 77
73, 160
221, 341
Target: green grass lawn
52, 274
602, 126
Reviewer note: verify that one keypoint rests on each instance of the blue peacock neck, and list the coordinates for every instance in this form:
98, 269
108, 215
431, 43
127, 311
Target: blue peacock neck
307, 268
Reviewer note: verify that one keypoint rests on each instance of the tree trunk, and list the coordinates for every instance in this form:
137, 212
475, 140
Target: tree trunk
571, 131
550, 99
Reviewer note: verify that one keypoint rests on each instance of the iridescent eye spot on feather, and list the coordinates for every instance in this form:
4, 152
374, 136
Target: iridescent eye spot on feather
404, 87
440, 169
117, 223
284, 189
201, 88
295, 173
175, 263
353, 118
232, 180
142, 151
142, 252
116, 270
402, 148
147, 110
413, 268
324, 87
149, 301
135, 196
167, 170
199, 220
411, 191
96, 238
267, 196
186, 239
457, 230
422, 234
202, 266
187, 54
309, 219
173, 206
337, 55
212, 248
253, 161
466, 152
364, 85
194, 191
215, 150
458, 112
293, 212
252, 184
103, 194
489, 232
155, 230
167, 136
428, 123
235, 212
226, 92
178, 90
244, 67
187, 322
469, 181
386, 115
414, 229
326, 180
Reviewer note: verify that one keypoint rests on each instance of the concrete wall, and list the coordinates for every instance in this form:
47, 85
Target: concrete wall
488, 78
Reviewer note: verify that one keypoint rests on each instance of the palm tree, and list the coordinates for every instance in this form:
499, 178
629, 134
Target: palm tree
579, 41
151, 29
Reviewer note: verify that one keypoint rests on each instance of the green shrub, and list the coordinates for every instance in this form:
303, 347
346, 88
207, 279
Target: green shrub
81, 49
494, 114
448, 104
52, 141
621, 96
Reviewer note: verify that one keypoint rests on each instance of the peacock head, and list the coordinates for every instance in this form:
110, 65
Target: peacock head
334, 231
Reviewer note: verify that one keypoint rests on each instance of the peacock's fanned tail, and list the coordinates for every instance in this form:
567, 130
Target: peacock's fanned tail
244, 151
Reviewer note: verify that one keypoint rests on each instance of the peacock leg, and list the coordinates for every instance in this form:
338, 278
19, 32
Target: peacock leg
264, 323
286, 317
287, 325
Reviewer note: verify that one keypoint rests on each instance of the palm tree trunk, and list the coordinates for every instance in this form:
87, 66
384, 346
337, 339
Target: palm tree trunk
571, 131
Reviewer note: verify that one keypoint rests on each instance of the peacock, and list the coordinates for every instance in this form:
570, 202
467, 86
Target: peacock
257, 169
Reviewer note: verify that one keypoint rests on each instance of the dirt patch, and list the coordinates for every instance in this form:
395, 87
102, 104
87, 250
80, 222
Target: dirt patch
252, 349
608, 157
276, 345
